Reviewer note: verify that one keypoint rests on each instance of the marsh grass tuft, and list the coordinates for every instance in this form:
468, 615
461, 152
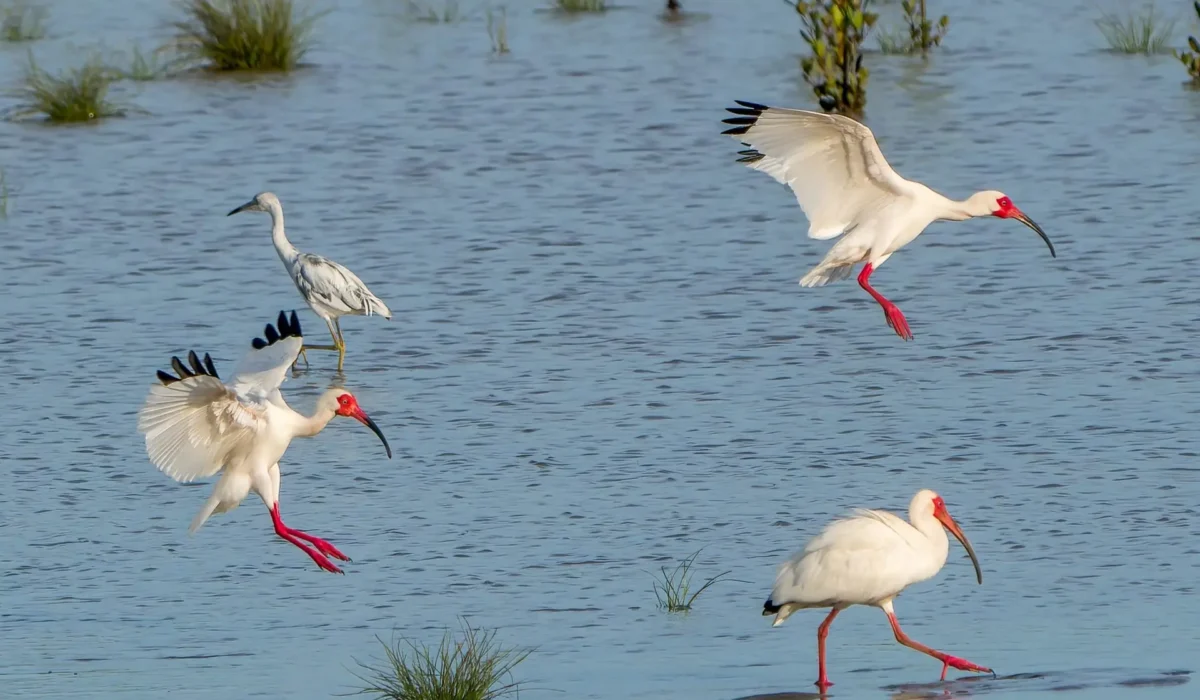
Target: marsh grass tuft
75, 95
448, 13
497, 28
230, 35
474, 667
20, 21
581, 5
143, 66
3, 195
673, 591
1145, 32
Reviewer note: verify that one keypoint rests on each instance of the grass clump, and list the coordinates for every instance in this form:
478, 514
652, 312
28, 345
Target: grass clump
1144, 32
581, 5
76, 95
919, 35
230, 35
1191, 59
20, 21
474, 667
835, 31
143, 66
497, 28
673, 591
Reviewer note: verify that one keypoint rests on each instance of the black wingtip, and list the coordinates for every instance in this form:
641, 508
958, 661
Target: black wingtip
748, 115
740, 120
197, 368
770, 608
285, 327
752, 105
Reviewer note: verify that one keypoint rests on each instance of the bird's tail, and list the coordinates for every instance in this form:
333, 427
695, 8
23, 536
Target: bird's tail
209, 506
827, 272
375, 306
781, 612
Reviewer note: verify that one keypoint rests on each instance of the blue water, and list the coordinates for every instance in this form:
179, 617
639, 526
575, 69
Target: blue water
601, 362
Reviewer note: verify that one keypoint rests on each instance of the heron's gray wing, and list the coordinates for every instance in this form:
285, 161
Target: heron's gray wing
326, 282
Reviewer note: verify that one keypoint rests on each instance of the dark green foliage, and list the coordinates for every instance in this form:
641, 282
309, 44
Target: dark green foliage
835, 31
922, 33
474, 668
1191, 59
76, 95
228, 35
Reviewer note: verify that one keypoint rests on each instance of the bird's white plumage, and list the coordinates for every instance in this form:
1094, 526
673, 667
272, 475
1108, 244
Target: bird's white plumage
832, 163
863, 559
332, 290
192, 426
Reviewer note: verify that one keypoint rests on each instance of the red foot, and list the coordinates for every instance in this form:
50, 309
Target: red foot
327, 565
896, 320
962, 665
322, 545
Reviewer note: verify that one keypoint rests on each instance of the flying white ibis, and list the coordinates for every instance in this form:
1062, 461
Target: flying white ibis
867, 559
845, 186
197, 426
330, 290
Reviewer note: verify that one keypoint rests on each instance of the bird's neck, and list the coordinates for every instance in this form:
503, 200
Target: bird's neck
950, 209
311, 425
287, 252
935, 535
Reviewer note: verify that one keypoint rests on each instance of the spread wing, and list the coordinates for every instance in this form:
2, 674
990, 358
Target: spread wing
832, 163
260, 373
335, 286
193, 421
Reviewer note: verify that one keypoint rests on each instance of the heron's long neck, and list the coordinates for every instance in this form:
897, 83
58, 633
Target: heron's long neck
311, 425
287, 252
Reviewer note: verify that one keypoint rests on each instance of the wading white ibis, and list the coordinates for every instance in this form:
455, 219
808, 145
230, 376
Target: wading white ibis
867, 559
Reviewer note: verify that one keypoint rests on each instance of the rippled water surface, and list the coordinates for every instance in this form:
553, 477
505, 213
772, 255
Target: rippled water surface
601, 361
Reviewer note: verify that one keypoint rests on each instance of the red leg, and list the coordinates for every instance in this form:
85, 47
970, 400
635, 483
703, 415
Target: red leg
823, 632
946, 659
287, 533
895, 319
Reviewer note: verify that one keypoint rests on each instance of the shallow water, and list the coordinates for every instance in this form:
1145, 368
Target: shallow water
601, 361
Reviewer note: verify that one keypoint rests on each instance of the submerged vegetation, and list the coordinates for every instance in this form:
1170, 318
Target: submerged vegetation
20, 21
3, 195
472, 668
229, 35
674, 590
835, 31
75, 95
581, 5
448, 13
142, 66
920, 34
1144, 32
1191, 58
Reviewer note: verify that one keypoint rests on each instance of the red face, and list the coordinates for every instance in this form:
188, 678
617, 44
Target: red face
1005, 208
348, 406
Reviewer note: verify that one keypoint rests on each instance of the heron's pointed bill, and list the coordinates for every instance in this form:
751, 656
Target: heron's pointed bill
363, 418
242, 208
1020, 216
948, 522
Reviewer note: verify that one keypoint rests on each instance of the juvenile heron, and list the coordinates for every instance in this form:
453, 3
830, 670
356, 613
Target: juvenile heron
330, 289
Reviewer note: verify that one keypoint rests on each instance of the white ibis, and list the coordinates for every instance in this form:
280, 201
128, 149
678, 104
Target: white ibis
867, 559
330, 290
845, 186
197, 426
